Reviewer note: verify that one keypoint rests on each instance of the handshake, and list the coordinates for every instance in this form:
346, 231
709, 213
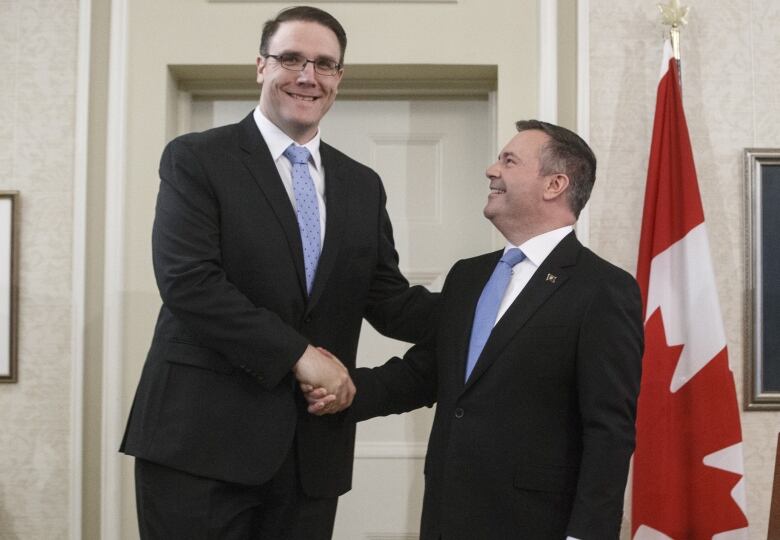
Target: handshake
324, 380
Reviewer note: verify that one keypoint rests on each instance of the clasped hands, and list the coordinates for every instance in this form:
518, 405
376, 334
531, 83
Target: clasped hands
324, 380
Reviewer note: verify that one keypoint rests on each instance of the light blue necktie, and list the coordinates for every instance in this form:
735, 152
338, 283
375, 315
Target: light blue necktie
306, 208
487, 307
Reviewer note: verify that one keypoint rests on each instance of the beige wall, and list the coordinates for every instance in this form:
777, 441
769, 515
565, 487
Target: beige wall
38, 42
731, 73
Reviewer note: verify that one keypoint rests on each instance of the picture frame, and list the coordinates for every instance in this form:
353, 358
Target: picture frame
9, 288
762, 295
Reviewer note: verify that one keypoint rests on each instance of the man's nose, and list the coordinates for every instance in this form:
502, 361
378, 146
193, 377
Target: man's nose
307, 73
492, 170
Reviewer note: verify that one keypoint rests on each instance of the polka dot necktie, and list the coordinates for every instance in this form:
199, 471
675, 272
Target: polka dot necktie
306, 208
487, 307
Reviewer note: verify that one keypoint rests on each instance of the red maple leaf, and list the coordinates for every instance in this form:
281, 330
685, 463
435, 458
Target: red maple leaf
673, 491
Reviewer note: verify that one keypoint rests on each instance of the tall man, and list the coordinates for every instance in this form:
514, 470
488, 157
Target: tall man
266, 241
534, 364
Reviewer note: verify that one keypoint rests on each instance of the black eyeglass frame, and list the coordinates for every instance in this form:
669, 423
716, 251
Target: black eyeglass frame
336, 67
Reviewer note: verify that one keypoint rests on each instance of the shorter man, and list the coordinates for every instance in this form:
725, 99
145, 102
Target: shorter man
534, 364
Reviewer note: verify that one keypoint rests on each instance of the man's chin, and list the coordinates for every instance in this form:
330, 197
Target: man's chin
298, 128
489, 212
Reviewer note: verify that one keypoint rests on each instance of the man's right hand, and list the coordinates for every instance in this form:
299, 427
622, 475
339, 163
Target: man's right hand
320, 369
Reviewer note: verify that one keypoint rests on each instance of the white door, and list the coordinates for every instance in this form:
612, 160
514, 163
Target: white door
432, 156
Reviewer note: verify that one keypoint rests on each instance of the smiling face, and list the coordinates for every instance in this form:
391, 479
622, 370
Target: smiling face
296, 101
519, 194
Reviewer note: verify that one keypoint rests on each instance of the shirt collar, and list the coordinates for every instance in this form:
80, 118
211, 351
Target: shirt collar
278, 141
539, 247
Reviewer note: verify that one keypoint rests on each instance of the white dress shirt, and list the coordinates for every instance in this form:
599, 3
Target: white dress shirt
536, 251
278, 141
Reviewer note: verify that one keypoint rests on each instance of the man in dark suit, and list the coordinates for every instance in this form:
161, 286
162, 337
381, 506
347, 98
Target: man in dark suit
253, 274
534, 365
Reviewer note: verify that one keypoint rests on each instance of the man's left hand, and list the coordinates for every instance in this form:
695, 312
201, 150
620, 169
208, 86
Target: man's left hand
319, 400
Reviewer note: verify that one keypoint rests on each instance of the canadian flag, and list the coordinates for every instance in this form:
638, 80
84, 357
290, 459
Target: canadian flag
688, 479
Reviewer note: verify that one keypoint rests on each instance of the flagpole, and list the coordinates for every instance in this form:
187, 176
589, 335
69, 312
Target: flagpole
675, 17
674, 34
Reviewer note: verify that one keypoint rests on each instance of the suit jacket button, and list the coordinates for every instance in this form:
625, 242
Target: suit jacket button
458, 413
307, 320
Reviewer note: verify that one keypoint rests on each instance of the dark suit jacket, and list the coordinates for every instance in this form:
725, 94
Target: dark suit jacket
536, 445
216, 396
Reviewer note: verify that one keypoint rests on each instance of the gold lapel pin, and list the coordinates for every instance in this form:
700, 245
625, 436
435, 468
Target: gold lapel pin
550, 278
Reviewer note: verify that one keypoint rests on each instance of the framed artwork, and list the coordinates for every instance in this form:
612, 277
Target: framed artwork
9, 290
762, 313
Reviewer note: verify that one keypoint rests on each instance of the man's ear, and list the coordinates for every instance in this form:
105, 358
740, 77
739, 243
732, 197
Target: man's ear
260, 67
556, 185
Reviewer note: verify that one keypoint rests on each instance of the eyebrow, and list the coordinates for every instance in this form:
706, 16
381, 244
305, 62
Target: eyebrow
507, 154
318, 57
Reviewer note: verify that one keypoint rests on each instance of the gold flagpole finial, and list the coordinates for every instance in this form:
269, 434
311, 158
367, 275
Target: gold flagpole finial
674, 15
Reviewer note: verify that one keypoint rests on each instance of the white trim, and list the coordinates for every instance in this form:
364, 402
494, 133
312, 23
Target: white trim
423, 276
548, 60
78, 283
390, 450
493, 124
583, 99
112, 394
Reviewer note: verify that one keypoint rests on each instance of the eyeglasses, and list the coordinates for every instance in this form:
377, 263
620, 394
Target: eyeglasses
296, 62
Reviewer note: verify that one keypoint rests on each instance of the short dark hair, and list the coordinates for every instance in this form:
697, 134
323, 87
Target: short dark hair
566, 153
303, 13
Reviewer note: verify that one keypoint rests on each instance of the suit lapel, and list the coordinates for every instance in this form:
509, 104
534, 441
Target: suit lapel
546, 281
461, 316
257, 159
336, 204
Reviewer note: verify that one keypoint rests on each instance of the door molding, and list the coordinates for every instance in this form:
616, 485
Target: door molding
583, 99
112, 401
78, 279
548, 61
